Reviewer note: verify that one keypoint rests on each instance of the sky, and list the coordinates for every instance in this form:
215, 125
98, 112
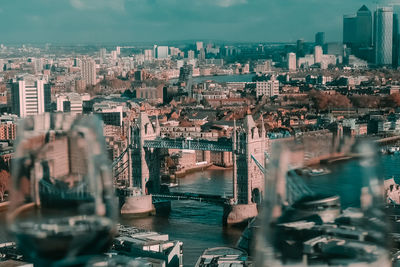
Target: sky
113, 21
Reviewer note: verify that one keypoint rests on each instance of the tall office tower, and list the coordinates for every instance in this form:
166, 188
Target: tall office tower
148, 55
30, 96
199, 45
190, 54
103, 53
383, 35
300, 48
349, 30
291, 61
317, 54
162, 52
202, 55
114, 55
38, 65
118, 49
88, 71
395, 50
320, 38
363, 27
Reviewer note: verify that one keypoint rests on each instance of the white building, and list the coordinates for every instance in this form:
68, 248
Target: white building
30, 96
291, 61
71, 102
383, 35
161, 52
199, 46
88, 71
317, 54
148, 55
267, 88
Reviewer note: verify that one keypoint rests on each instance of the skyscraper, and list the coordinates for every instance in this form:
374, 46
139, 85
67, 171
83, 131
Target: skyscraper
364, 27
30, 96
320, 38
349, 30
88, 71
383, 35
395, 50
291, 61
300, 48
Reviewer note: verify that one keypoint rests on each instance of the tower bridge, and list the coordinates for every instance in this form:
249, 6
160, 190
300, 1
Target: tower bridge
247, 144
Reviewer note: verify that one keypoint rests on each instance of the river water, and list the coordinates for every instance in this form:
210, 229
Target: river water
199, 225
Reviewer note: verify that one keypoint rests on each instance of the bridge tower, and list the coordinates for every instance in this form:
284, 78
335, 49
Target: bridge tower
145, 161
248, 145
144, 169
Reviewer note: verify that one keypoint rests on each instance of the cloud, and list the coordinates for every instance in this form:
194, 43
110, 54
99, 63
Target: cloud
116, 5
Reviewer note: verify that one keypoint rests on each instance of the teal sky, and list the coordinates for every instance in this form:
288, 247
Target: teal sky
81, 21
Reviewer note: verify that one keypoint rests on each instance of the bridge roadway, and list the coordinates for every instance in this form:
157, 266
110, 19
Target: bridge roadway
212, 199
222, 145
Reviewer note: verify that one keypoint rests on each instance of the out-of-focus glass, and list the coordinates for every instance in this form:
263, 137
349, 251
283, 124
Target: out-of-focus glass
62, 202
313, 217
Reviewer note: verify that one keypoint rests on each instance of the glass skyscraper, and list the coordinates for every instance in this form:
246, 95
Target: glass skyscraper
383, 35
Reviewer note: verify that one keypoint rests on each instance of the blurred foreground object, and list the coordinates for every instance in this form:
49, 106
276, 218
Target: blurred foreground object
299, 225
62, 201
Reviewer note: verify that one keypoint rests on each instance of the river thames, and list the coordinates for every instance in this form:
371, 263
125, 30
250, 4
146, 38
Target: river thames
199, 225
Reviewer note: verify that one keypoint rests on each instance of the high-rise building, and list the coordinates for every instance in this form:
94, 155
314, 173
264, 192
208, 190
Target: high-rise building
103, 53
202, 55
190, 54
38, 65
148, 55
396, 41
317, 54
320, 38
349, 29
300, 48
88, 71
364, 27
118, 49
161, 52
383, 35
291, 61
199, 46
30, 96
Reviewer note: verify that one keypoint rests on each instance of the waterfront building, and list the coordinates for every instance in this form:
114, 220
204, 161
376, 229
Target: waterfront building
30, 96
383, 35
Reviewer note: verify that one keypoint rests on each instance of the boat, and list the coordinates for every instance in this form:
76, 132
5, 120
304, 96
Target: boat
171, 185
223, 256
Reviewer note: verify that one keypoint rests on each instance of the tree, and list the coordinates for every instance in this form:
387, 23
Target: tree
393, 100
5, 179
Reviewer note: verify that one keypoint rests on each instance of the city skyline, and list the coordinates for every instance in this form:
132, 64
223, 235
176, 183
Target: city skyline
102, 21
